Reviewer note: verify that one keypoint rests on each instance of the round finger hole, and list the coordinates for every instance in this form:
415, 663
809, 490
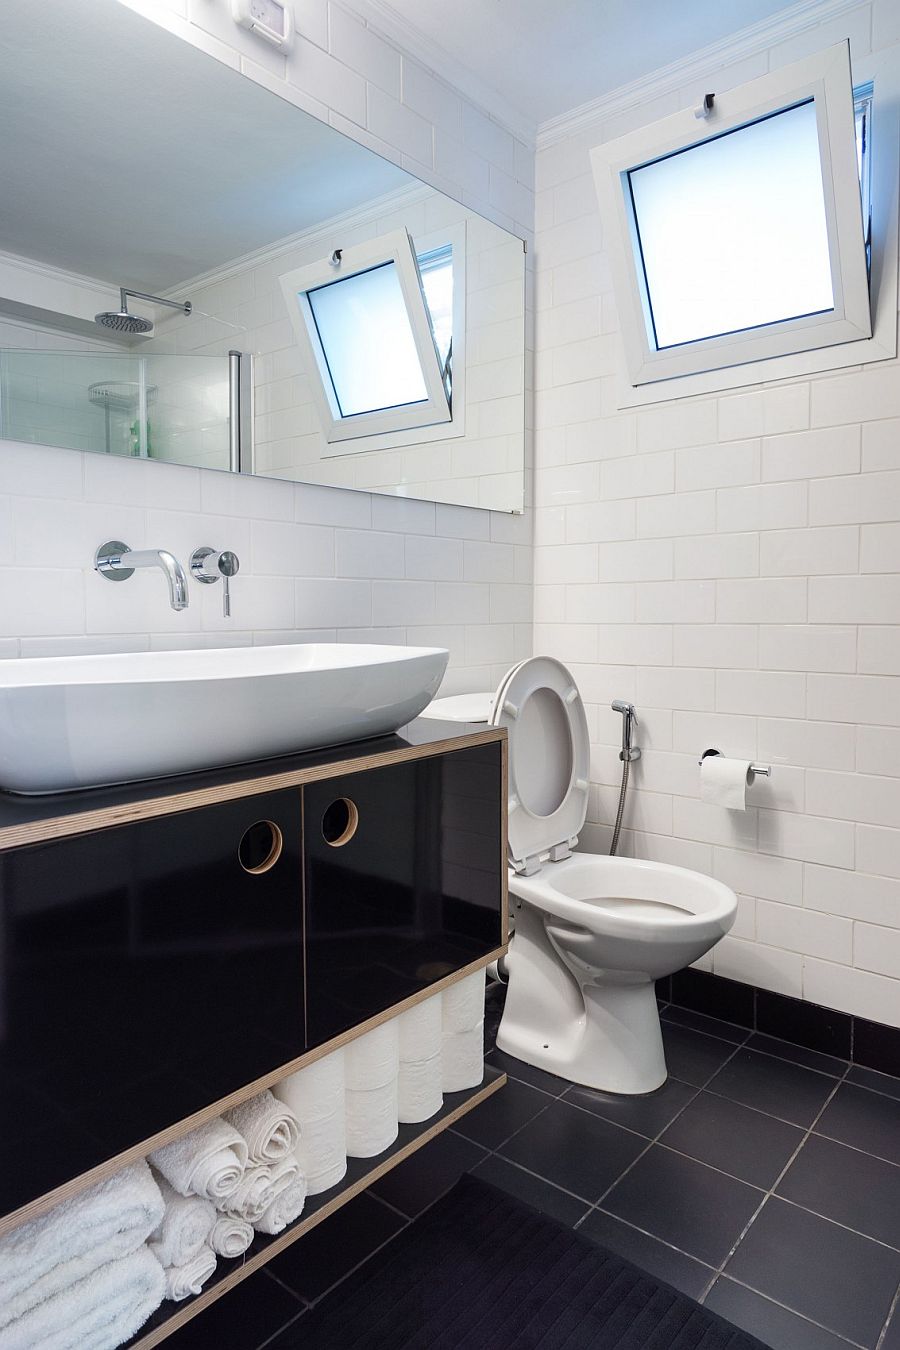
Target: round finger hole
339, 822
260, 847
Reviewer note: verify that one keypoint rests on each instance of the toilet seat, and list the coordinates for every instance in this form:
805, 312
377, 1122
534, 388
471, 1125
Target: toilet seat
549, 761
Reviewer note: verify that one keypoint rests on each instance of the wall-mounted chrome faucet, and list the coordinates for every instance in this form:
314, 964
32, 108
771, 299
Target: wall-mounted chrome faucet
629, 753
117, 562
209, 566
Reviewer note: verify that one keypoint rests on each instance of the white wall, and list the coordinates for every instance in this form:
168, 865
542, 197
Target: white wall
732, 565
314, 560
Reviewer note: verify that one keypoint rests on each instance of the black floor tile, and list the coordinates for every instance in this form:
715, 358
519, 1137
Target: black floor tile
840, 1279
773, 1325
574, 1149
429, 1173
848, 1186
646, 1115
734, 1138
526, 1073
691, 1056
885, 1083
710, 1026
532, 1190
244, 1318
315, 1262
773, 1085
690, 1206
863, 1120
502, 1114
798, 1054
806, 1024
684, 1272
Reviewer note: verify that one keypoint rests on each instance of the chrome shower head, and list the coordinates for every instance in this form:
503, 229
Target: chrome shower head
120, 321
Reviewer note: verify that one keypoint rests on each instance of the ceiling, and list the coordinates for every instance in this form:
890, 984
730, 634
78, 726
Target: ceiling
137, 159
543, 58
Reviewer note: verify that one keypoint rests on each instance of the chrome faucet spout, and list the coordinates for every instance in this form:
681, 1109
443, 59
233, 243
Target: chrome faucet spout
116, 561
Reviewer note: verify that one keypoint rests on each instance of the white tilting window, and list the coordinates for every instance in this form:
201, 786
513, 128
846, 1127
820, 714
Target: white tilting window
737, 233
362, 318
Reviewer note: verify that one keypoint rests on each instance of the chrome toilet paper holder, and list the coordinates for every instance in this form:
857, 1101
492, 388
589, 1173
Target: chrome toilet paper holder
756, 770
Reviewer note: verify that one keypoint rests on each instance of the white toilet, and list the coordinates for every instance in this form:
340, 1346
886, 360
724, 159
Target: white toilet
592, 933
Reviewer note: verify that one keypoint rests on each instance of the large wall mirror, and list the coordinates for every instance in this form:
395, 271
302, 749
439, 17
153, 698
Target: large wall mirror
273, 297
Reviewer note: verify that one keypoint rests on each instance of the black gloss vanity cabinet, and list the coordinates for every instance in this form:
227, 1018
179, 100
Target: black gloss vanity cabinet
230, 924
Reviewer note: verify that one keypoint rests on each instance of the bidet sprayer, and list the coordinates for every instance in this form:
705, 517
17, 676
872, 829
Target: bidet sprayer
628, 753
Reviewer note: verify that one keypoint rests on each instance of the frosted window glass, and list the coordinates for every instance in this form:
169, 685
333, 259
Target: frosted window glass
436, 271
368, 342
733, 232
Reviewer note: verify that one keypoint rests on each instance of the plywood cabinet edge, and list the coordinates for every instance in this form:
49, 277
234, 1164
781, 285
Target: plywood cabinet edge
203, 1300
124, 813
45, 1202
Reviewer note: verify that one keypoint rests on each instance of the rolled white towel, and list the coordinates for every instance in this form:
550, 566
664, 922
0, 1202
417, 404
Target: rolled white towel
98, 1312
209, 1161
462, 1005
253, 1194
107, 1221
184, 1229
289, 1186
182, 1281
269, 1127
230, 1236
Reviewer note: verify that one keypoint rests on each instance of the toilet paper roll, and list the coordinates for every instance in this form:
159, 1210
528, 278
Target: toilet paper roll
724, 782
371, 1119
462, 1059
420, 1089
316, 1092
322, 1151
323, 1181
463, 1003
372, 1060
420, 1031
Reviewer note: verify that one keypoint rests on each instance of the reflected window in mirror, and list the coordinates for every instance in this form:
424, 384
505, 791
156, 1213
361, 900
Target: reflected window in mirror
362, 318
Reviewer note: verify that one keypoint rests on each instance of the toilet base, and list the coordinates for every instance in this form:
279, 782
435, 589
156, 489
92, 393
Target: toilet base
603, 1036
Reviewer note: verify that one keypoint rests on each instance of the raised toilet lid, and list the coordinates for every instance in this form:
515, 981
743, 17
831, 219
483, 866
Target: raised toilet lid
549, 760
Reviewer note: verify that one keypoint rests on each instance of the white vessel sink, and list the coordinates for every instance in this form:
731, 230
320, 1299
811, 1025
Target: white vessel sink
85, 721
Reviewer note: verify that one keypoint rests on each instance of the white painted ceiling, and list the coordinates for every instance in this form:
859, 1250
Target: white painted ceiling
128, 155
543, 58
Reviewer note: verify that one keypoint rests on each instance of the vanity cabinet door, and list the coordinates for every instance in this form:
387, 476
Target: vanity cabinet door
404, 876
147, 971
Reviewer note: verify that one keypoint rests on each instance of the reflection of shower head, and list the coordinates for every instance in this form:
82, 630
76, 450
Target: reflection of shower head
120, 321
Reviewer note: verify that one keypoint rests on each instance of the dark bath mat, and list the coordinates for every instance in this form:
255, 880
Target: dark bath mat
481, 1271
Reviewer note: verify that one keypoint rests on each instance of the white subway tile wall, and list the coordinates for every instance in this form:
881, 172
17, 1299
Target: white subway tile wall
316, 562
732, 564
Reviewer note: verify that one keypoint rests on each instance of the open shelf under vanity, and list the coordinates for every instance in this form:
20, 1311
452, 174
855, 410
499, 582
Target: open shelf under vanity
361, 1174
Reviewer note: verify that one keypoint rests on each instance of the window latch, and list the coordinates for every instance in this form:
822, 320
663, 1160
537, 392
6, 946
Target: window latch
705, 108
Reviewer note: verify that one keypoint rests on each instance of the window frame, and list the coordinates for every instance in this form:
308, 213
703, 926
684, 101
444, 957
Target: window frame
395, 247
825, 77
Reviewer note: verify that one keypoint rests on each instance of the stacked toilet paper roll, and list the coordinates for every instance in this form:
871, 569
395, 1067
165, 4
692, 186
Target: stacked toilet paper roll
316, 1097
420, 1090
462, 1040
372, 1073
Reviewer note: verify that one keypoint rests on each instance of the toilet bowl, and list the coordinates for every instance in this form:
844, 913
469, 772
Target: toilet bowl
592, 933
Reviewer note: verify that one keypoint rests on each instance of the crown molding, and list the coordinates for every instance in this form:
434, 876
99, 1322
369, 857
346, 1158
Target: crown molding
706, 62
316, 235
384, 20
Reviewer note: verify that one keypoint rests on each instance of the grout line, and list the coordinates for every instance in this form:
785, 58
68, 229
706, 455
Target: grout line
313, 1302
539, 1177
793, 1311
299, 1297
894, 1309
878, 1092
387, 1204
770, 1192
837, 1223
282, 1328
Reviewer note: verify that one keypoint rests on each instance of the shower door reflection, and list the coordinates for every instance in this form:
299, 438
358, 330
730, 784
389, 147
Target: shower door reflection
174, 408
